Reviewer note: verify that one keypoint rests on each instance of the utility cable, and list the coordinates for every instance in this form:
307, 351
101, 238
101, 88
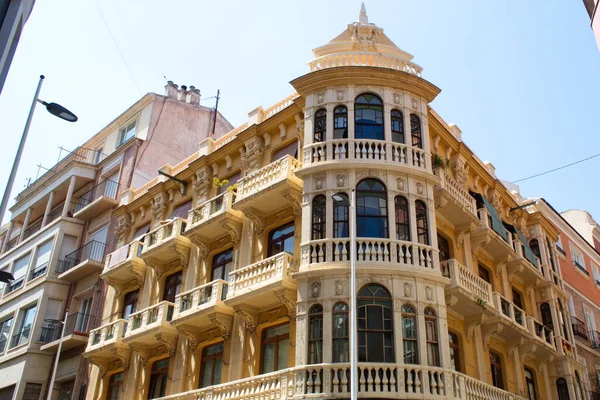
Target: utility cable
557, 169
118, 48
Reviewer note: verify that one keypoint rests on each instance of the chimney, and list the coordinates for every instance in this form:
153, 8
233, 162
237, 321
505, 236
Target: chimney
171, 90
182, 93
194, 96
456, 132
256, 116
490, 168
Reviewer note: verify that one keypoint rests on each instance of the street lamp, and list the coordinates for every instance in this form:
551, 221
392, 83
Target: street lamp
54, 109
353, 311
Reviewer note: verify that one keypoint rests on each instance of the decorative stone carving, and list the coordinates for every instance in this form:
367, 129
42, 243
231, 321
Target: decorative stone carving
124, 357
159, 206
286, 297
249, 315
234, 229
428, 293
460, 169
339, 94
192, 335
201, 181
315, 289
472, 323
407, 289
327, 306
441, 202
321, 97
397, 98
294, 199
301, 308
400, 184
384, 280
252, 153
420, 188
339, 288
451, 301
319, 180
371, 173
415, 103
257, 220
122, 229
488, 331
497, 201
223, 324
169, 341
364, 36
341, 180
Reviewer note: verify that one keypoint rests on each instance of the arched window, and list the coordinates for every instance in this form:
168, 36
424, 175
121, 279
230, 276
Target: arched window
402, 220
340, 122
341, 206
562, 388
578, 386
422, 225
318, 217
496, 368
315, 337
371, 210
375, 325
415, 131
320, 125
368, 117
431, 336
530, 384
546, 316
534, 245
158, 378
211, 365
444, 248
221, 265
454, 351
340, 333
397, 126
409, 335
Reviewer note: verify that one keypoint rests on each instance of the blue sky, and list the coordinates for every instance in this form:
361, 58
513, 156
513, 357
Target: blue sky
520, 78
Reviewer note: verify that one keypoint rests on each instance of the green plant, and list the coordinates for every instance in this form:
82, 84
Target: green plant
218, 183
438, 161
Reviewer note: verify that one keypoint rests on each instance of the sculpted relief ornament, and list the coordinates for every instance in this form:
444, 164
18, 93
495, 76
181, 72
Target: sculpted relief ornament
122, 228
159, 206
252, 154
202, 181
460, 169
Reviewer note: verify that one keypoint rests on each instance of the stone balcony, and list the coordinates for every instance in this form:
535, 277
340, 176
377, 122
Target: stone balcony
453, 201
124, 265
270, 189
165, 246
145, 327
528, 271
392, 381
467, 293
496, 242
371, 253
213, 219
105, 343
367, 153
201, 306
264, 283
97, 200
82, 262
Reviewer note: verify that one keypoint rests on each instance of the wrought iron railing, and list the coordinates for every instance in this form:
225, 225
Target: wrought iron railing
20, 337
32, 228
579, 328
106, 188
594, 337
93, 251
38, 271
55, 213
14, 285
76, 324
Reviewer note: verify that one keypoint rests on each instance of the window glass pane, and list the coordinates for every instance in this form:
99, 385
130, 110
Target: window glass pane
340, 123
281, 239
221, 266
291, 149
268, 362
207, 371
20, 267
181, 211
282, 359
368, 117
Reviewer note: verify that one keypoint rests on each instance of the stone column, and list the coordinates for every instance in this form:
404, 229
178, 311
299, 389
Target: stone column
48, 208
412, 218
25, 225
327, 332
182, 361
329, 130
11, 225
407, 130
481, 353
238, 341
67, 205
387, 123
309, 116
351, 133
432, 231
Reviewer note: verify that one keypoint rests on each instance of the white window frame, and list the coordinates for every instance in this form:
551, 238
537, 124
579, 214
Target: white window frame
123, 132
577, 257
559, 244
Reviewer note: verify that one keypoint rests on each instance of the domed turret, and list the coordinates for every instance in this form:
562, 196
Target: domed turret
363, 44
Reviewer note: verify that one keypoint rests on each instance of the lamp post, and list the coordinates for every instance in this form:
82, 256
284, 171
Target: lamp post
353, 310
57, 358
54, 109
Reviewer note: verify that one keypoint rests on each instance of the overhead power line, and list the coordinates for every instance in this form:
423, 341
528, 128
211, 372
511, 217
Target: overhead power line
557, 169
118, 48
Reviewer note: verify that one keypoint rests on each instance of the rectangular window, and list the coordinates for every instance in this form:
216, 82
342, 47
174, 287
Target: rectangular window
6, 393
275, 345
578, 260
42, 260
115, 386
5, 326
530, 383
484, 273
212, 363
559, 246
596, 273
18, 272
496, 369
127, 133
25, 326
281, 239
172, 286
158, 379
291, 149
32, 391
130, 303
181, 211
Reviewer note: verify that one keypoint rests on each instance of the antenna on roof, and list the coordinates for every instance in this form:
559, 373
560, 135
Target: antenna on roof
215, 114
362, 17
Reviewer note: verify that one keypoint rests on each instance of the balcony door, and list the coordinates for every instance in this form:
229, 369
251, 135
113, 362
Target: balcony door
83, 318
172, 286
130, 303
95, 251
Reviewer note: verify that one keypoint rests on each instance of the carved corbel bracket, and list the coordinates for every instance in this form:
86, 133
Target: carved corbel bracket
169, 341
526, 349
143, 352
463, 231
500, 265
192, 335
294, 198
288, 298
182, 256
250, 316
102, 365
124, 356
117, 286
488, 330
475, 246
472, 323
137, 275
234, 229
202, 244
257, 220
451, 301
515, 271
224, 322
156, 266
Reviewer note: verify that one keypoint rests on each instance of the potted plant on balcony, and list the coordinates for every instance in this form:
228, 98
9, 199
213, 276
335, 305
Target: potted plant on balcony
439, 164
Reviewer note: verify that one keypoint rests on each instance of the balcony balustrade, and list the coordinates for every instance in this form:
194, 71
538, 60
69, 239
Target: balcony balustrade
541, 333
365, 151
271, 188
473, 295
456, 205
96, 200
106, 341
513, 318
579, 328
197, 306
83, 262
124, 265
166, 244
371, 253
33, 228
364, 58
530, 272
594, 339
76, 332
495, 240
333, 381
143, 325
260, 280
212, 219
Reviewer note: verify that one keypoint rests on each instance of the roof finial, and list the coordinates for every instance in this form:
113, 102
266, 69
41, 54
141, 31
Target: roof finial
362, 17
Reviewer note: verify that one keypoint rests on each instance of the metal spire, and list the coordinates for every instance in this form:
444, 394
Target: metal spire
362, 17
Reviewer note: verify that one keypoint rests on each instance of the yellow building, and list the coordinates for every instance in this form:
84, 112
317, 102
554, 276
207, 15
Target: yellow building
232, 280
